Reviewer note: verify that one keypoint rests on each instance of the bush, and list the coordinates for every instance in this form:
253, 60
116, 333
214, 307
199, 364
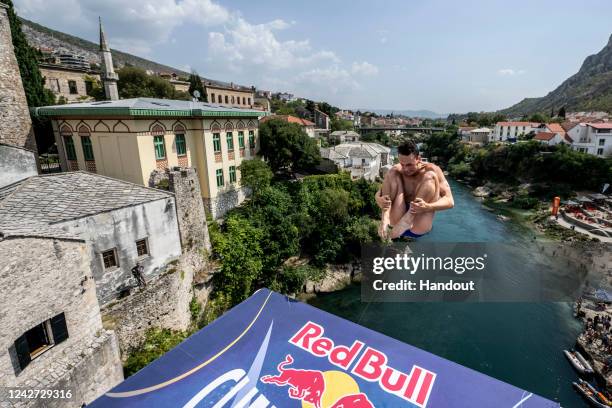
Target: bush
525, 202
157, 342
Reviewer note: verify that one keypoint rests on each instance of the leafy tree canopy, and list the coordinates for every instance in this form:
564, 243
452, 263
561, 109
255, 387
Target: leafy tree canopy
287, 147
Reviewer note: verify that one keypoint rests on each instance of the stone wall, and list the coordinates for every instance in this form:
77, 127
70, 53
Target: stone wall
16, 164
220, 205
15, 122
48, 277
163, 303
56, 80
156, 221
185, 185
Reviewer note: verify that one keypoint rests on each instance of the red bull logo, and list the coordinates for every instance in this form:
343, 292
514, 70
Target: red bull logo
364, 362
306, 385
310, 386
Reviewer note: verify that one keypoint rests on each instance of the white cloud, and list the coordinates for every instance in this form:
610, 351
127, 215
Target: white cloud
237, 49
364, 68
134, 26
510, 72
332, 79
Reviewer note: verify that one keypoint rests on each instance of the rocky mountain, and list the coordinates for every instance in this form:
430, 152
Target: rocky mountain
590, 89
42, 37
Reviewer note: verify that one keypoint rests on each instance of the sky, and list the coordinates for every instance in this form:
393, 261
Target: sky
442, 55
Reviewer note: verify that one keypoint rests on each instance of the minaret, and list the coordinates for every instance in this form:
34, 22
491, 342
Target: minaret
109, 76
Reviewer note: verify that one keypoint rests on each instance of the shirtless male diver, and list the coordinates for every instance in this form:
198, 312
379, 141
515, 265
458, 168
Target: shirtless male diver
412, 191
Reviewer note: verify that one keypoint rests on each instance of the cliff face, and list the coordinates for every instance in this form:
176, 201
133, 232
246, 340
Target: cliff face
590, 89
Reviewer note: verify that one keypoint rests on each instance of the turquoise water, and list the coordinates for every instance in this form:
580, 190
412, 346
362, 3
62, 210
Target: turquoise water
520, 343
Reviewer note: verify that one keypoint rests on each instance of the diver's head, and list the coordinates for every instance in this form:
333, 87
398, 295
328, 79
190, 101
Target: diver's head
409, 158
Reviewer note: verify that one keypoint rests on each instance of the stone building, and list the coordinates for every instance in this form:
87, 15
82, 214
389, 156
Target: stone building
123, 223
69, 82
362, 160
51, 334
129, 138
230, 95
18, 157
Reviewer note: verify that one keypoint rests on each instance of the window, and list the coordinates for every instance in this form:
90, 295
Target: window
229, 136
241, 139
72, 87
160, 149
110, 258
232, 99
249, 99
87, 148
40, 338
217, 142
88, 87
232, 174
212, 97
181, 148
226, 99
219, 174
602, 142
54, 85
599, 151
142, 248
251, 139
220, 99
243, 100
69, 146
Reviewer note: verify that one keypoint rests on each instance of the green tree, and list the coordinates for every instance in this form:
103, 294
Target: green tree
340, 124
135, 82
286, 146
538, 118
33, 81
561, 113
195, 84
241, 257
255, 174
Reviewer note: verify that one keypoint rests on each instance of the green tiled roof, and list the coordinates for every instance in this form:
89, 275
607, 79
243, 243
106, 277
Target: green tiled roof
146, 107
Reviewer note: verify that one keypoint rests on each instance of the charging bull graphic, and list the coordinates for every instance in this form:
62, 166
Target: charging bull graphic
309, 386
306, 385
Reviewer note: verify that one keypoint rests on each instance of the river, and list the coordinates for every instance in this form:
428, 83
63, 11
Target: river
520, 343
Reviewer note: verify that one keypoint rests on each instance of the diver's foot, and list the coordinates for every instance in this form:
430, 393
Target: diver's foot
383, 228
399, 229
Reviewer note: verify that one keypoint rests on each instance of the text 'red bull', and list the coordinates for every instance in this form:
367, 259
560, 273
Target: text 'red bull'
371, 366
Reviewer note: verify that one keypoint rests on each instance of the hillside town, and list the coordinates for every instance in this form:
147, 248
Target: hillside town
128, 221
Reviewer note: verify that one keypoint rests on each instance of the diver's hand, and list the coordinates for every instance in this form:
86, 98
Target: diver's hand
419, 206
383, 201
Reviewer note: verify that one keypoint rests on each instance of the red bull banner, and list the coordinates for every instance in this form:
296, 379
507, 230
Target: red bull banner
272, 351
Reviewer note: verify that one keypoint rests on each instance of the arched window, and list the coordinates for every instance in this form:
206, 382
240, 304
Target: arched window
86, 143
226, 99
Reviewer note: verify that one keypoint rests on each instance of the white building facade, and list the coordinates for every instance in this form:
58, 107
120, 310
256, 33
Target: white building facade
592, 138
511, 131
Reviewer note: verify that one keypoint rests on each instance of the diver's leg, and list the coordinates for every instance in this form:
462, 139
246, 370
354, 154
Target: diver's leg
429, 191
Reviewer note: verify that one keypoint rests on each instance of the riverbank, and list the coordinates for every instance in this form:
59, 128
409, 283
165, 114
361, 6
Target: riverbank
594, 341
473, 334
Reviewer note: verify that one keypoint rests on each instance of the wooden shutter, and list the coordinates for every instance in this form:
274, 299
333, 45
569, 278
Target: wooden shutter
23, 351
58, 328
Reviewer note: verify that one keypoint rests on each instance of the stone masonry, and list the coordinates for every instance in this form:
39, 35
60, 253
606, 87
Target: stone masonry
163, 303
224, 202
15, 122
51, 275
185, 185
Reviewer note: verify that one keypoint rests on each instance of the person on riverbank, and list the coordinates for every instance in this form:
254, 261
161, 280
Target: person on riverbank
411, 193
